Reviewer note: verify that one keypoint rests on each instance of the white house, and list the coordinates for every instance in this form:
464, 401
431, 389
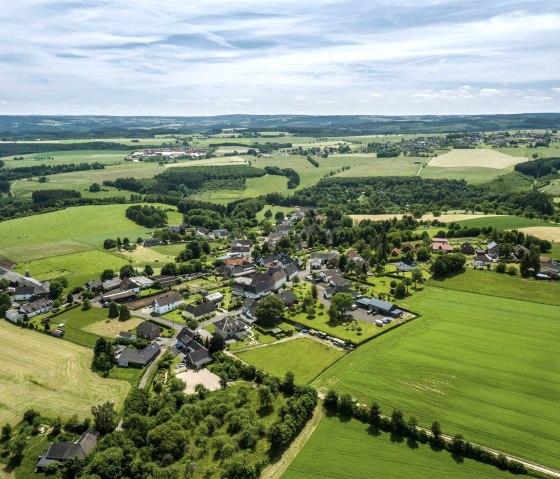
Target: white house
167, 302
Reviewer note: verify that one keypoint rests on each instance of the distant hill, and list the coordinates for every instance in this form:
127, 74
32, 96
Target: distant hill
58, 127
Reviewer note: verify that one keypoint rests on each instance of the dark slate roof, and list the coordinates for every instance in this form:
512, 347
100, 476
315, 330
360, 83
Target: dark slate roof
147, 328
200, 357
203, 309
24, 290
378, 303
36, 305
185, 336
88, 441
288, 297
168, 298
62, 451
142, 357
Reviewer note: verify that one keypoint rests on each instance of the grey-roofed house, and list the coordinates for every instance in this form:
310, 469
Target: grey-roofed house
111, 284
196, 356
60, 452
94, 285
379, 306
24, 293
142, 282
147, 330
165, 281
289, 298
197, 311
163, 303
230, 328
118, 295
403, 267
126, 335
135, 358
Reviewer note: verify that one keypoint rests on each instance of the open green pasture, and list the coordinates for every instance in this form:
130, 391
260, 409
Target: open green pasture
471, 174
504, 222
105, 157
304, 357
483, 366
503, 285
70, 230
254, 187
51, 375
349, 449
77, 268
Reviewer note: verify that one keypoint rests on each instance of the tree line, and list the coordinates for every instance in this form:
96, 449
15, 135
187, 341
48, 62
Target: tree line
21, 172
396, 424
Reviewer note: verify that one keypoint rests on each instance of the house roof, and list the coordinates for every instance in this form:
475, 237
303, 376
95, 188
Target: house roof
229, 323
141, 357
36, 305
141, 280
185, 336
147, 328
199, 357
198, 310
126, 335
168, 298
24, 290
288, 297
62, 451
377, 303
492, 245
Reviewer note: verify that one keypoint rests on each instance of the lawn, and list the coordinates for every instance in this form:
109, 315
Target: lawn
348, 449
77, 268
304, 357
485, 367
50, 375
503, 222
496, 284
110, 328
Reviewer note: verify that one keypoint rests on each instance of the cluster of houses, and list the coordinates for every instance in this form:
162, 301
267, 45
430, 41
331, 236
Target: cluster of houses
29, 296
198, 232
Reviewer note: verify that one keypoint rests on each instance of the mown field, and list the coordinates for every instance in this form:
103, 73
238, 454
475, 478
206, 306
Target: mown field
69, 231
506, 222
50, 375
484, 366
347, 449
504, 285
304, 357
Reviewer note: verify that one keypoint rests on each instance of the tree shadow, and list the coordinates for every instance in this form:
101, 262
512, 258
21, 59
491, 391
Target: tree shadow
397, 438
458, 458
374, 430
412, 443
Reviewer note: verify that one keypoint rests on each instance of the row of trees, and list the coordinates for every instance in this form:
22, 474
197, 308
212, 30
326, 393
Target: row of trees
147, 215
396, 424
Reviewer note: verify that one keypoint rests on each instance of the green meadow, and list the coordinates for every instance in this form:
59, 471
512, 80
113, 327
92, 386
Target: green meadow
348, 449
507, 222
304, 357
504, 285
483, 366
69, 231
471, 174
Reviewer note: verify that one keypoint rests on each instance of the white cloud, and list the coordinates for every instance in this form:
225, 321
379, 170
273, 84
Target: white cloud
156, 57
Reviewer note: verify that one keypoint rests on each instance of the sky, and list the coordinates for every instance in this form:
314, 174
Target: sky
210, 57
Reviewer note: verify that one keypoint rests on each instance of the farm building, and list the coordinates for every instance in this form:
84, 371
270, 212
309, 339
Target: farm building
165, 281
60, 452
40, 306
166, 302
135, 358
379, 306
467, 248
142, 282
118, 295
147, 330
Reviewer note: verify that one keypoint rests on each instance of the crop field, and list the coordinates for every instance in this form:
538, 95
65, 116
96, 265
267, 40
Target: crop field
503, 285
446, 218
49, 375
69, 230
110, 328
551, 233
304, 357
77, 268
483, 366
348, 449
506, 222
471, 174
478, 158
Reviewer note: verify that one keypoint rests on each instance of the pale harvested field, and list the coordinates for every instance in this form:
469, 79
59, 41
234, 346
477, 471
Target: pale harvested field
147, 255
229, 160
551, 233
427, 217
110, 328
204, 377
50, 375
480, 157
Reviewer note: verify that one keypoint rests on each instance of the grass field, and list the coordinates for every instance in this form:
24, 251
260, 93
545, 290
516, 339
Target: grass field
471, 174
506, 222
77, 268
446, 218
110, 328
347, 449
68, 231
503, 285
551, 233
485, 367
254, 187
50, 375
304, 357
